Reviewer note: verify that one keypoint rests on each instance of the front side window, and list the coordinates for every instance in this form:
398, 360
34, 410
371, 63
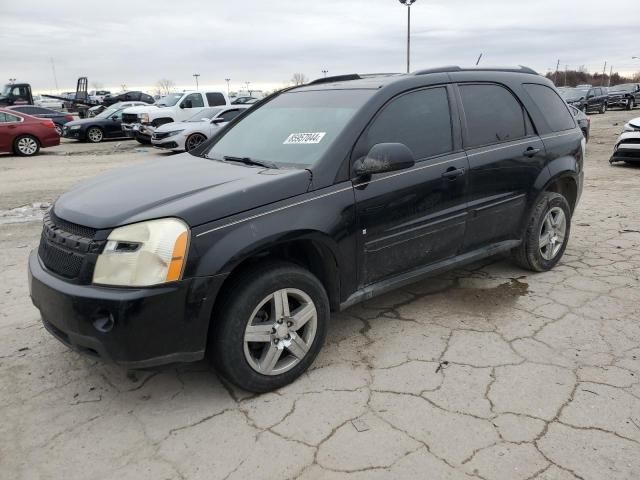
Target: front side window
493, 115
169, 100
193, 100
229, 115
420, 120
294, 129
551, 106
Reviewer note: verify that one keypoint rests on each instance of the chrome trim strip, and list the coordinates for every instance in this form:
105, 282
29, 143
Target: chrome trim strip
404, 172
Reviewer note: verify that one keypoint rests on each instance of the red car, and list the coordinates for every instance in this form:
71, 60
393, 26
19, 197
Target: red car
24, 135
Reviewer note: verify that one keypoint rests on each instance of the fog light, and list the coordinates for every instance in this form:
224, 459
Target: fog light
104, 323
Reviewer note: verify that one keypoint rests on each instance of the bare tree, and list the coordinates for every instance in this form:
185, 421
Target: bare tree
165, 86
299, 79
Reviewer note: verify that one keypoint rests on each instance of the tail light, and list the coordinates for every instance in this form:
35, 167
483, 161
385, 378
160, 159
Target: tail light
69, 118
48, 124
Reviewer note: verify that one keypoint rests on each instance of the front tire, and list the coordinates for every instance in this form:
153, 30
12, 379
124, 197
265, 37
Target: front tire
603, 108
194, 140
546, 235
270, 327
26, 146
58, 129
630, 104
95, 135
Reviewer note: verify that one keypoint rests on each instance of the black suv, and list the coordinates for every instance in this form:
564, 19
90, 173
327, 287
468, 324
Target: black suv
319, 197
626, 95
592, 99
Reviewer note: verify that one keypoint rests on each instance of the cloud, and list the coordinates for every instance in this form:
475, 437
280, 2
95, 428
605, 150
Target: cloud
137, 43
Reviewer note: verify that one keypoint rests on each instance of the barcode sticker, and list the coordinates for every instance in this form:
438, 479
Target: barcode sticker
304, 138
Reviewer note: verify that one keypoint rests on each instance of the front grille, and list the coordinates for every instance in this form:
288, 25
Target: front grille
630, 140
60, 261
68, 249
129, 118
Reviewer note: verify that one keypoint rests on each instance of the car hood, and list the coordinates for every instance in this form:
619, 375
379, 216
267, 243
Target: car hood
168, 127
141, 109
196, 189
88, 121
635, 122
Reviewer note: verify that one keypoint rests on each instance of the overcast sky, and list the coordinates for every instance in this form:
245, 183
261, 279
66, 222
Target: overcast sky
265, 41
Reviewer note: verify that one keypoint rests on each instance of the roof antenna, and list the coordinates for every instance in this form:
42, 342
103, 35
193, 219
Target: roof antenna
478, 61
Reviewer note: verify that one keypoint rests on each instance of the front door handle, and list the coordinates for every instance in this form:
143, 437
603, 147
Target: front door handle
530, 152
452, 173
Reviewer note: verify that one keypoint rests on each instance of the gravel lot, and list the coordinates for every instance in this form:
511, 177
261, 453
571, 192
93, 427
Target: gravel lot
489, 372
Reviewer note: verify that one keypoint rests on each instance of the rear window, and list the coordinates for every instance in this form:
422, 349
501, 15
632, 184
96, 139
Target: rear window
215, 99
554, 109
493, 115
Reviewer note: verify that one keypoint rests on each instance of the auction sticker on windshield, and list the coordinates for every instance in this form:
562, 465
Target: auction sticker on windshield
304, 138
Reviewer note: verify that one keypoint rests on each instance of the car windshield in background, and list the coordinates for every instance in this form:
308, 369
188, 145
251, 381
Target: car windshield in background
573, 94
206, 113
626, 87
170, 100
295, 129
108, 112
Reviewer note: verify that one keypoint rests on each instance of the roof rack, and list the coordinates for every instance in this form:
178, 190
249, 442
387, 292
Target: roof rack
455, 68
350, 76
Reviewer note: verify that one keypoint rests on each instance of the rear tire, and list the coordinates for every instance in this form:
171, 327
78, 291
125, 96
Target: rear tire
546, 234
284, 343
26, 146
630, 104
94, 135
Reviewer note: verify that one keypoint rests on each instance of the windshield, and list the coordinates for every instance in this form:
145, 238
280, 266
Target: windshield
108, 112
170, 100
6, 90
625, 87
294, 129
574, 94
206, 113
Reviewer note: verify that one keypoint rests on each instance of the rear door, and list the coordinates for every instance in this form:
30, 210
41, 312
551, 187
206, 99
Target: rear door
413, 217
9, 130
505, 158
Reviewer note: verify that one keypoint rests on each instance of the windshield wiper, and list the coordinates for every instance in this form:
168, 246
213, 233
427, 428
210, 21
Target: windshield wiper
250, 161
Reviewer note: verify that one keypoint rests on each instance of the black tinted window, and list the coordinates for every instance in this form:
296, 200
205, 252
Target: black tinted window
215, 99
421, 120
552, 107
493, 115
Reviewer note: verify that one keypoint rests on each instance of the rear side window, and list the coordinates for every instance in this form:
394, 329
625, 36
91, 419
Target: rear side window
215, 99
493, 115
7, 118
421, 120
554, 109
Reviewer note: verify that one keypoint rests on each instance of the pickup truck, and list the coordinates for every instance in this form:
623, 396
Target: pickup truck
141, 122
626, 96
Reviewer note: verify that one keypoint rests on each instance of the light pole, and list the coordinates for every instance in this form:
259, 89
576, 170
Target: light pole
324, 72
196, 75
408, 3
227, 80
12, 81
247, 87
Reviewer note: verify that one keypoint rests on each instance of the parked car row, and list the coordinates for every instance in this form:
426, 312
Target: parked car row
598, 99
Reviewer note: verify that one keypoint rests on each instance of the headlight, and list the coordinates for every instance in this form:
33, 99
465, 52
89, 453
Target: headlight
75, 127
174, 132
144, 117
628, 128
144, 254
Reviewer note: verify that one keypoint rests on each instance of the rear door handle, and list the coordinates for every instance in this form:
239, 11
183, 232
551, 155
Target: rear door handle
453, 173
530, 152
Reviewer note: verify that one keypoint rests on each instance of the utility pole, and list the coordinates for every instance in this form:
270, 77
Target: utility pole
610, 75
227, 80
604, 72
55, 77
566, 67
557, 69
196, 75
408, 3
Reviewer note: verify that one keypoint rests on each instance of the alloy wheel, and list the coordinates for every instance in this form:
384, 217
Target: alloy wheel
552, 233
194, 140
280, 331
95, 135
27, 146
58, 129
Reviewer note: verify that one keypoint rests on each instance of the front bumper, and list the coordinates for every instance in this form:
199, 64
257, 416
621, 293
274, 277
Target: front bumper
618, 102
626, 153
149, 326
77, 134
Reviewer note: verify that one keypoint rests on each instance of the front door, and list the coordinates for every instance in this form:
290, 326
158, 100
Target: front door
413, 217
505, 158
192, 104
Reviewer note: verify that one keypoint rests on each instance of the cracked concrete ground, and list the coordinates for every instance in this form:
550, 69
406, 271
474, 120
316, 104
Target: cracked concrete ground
485, 373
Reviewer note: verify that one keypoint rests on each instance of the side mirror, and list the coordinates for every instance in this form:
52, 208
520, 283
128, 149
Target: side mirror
384, 157
218, 120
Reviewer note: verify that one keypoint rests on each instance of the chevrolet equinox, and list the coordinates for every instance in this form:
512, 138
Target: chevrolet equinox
319, 197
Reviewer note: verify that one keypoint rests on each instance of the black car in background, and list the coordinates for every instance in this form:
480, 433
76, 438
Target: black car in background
592, 99
626, 95
95, 129
319, 197
584, 122
133, 96
59, 119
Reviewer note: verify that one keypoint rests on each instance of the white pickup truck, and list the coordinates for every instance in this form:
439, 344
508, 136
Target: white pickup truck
141, 122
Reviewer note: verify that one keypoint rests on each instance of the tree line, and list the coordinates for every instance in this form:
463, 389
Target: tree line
572, 78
